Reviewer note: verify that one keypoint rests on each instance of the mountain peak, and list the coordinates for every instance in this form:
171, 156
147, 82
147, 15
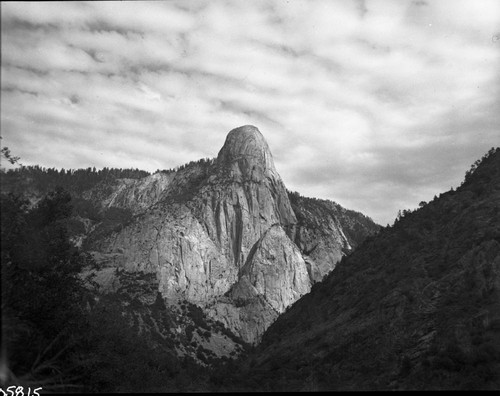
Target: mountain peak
248, 129
247, 154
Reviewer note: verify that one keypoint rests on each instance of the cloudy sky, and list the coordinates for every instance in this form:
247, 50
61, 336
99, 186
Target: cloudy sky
375, 104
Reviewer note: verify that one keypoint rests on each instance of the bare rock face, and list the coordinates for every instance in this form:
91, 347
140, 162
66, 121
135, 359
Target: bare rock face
134, 194
222, 236
246, 156
275, 270
244, 197
325, 232
274, 276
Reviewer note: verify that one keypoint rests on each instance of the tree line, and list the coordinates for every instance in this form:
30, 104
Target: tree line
73, 180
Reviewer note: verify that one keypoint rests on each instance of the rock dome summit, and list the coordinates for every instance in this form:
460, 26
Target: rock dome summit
246, 153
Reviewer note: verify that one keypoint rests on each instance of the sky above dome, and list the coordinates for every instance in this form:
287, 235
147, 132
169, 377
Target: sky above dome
375, 104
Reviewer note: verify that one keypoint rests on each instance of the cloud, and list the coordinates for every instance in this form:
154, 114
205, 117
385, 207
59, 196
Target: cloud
376, 104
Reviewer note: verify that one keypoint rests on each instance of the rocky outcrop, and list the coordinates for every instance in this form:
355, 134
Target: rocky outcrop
325, 232
221, 235
244, 196
134, 194
274, 270
274, 276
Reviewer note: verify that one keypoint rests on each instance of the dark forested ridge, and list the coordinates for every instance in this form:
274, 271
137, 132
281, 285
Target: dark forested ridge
416, 306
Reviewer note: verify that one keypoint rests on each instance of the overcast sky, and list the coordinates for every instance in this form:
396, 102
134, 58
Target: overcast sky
375, 104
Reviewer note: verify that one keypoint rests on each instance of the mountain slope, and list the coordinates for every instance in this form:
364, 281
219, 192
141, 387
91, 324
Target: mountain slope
221, 235
415, 307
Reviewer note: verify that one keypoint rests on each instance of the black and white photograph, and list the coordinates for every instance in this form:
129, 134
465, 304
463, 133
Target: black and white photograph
249, 196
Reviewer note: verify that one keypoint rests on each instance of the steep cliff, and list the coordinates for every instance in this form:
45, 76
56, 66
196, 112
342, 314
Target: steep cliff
221, 234
244, 197
325, 232
198, 237
274, 276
